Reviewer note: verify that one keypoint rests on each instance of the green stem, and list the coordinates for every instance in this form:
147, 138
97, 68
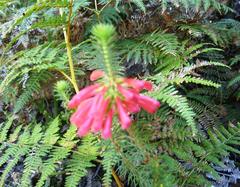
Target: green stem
96, 7
107, 63
67, 36
116, 178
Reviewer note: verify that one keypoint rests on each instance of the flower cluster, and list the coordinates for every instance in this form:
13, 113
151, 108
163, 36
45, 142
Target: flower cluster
97, 104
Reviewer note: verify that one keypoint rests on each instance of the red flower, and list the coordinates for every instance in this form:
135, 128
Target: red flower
97, 104
99, 117
123, 116
107, 132
96, 74
138, 85
147, 103
84, 94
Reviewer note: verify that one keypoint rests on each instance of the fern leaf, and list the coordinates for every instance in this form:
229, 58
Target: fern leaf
80, 161
18, 153
170, 96
189, 79
234, 81
51, 136
33, 162
32, 86
49, 166
110, 158
5, 129
140, 4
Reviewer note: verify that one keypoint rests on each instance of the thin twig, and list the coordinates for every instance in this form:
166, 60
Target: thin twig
116, 178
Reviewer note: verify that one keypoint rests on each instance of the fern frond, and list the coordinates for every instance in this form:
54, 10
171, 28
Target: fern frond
5, 128
33, 163
222, 32
50, 136
168, 43
40, 6
108, 15
68, 141
81, 160
17, 154
51, 22
235, 80
35, 60
197, 5
5, 3
189, 79
110, 159
235, 60
32, 86
150, 48
139, 3
49, 166
170, 96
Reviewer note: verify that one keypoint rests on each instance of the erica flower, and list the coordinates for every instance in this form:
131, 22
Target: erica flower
97, 104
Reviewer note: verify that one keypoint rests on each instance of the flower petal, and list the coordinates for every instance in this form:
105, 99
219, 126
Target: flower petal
126, 93
96, 74
147, 103
100, 115
107, 132
96, 100
80, 115
148, 86
85, 93
131, 106
124, 119
85, 127
138, 85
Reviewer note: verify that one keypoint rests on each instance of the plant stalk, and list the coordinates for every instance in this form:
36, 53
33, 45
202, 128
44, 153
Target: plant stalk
67, 36
116, 178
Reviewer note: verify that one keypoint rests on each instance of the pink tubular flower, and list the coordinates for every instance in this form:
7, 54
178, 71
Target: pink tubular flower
100, 116
85, 127
82, 95
97, 104
131, 106
96, 74
126, 93
79, 116
138, 85
123, 116
147, 103
107, 132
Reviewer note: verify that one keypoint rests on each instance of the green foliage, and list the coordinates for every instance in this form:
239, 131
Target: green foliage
191, 158
135, 151
105, 57
139, 3
39, 6
221, 32
43, 149
170, 96
62, 91
81, 160
187, 61
110, 159
197, 5
32, 87
36, 59
234, 80
235, 60
150, 48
